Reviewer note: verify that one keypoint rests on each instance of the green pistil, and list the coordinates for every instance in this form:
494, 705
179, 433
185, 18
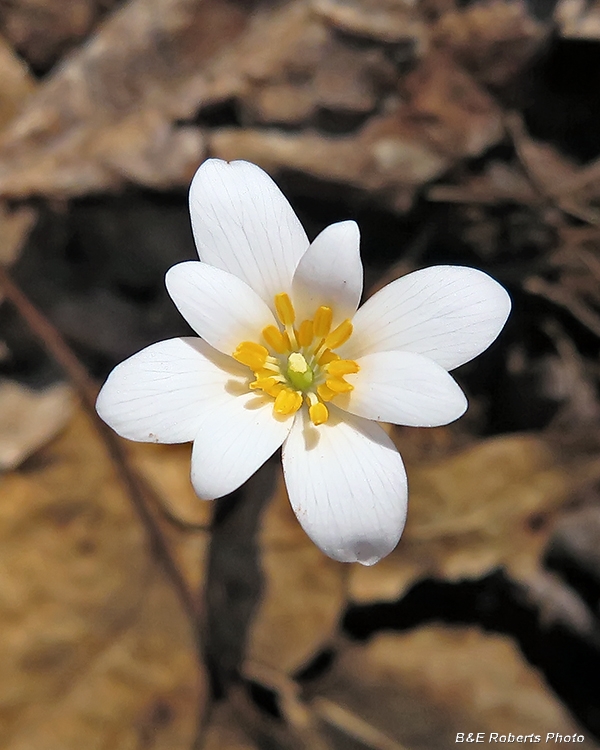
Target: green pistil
299, 373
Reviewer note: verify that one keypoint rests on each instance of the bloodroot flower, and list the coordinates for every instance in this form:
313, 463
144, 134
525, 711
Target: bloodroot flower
285, 358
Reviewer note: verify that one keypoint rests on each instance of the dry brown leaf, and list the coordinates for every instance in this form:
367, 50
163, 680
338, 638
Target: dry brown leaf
288, 65
303, 595
425, 686
107, 115
494, 40
317, 72
384, 20
15, 225
224, 732
272, 68
96, 650
16, 84
499, 182
491, 505
449, 109
549, 169
167, 468
187, 518
42, 30
579, 19
445, 117
29, 419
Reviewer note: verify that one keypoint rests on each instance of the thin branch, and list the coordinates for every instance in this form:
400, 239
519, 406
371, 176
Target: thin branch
137, 488
297, 713
560, 296
353, 726
552, 192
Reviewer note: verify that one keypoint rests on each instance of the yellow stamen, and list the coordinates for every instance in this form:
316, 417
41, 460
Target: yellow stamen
263, 384
275, 339
288, 401
275, 390
322, 324
325, 392
293, 360
338, 385
318, 413
271, 366
328, 356
251, 354
339, 335
285, 309
268, 372
342, 367
305, 333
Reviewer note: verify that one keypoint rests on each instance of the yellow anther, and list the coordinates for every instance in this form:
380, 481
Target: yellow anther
268, 372
322, 324
318, 413
285, 309
325, 392
263, 384
305, 333
251, 354
338, 385
342, 367
275, 339
288, 401
327, 357
339, 335
275, 390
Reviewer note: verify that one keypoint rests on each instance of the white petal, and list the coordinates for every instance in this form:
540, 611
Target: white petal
219, 307
158, 394
330, 273
448, 313
347, 486
243, 224
403, 388
234, 439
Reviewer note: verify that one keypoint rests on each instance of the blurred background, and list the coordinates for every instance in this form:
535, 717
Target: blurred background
132, 615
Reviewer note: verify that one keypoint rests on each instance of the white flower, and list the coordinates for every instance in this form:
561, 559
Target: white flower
286, 359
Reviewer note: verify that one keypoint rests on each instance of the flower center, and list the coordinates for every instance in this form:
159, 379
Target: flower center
299, 373
298, 364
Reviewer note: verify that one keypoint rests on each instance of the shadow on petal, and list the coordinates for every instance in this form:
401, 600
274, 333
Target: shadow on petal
366, 552
311, 435
257, 402
236, 387
366, 427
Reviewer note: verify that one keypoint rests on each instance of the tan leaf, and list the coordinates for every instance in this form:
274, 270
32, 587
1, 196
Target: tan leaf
29, 419
108, 113
224, 732
16, 84
384, 20
579, 19
446, 116
494, 40
425, 686
187, 518
42, 30
490, 505
96, 650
